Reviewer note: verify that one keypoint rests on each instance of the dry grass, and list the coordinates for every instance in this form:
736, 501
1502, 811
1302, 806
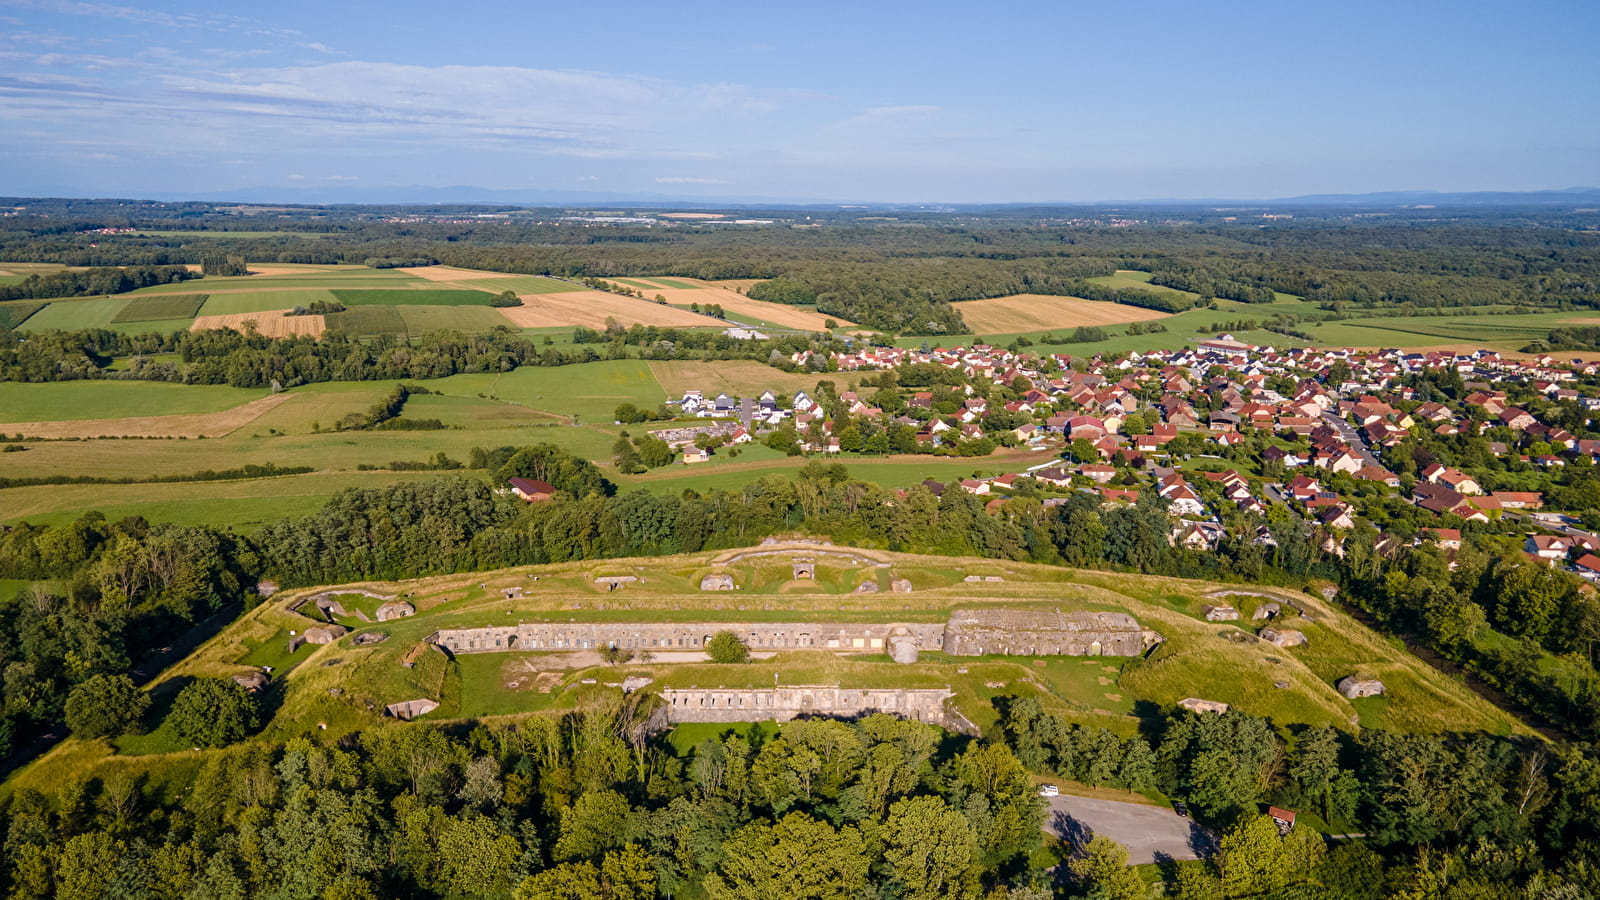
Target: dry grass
777, 313
735, 377
284, 270
273, 323
450, 273
592, 308
1037, 312
194, 425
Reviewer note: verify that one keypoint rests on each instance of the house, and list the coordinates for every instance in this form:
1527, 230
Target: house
1098, 472
1284, 818
1548, 546
1054, 476
974, 486
695, 455
1447, 538
532, 489
1588, 566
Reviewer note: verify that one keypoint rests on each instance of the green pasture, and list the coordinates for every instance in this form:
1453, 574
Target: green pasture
15, 312
1497, 332
159, 308
242, 505
404, 297
469, 319
1128, 279
591, 391
263, 301
63, 401
367, 321
308, 277
75, 315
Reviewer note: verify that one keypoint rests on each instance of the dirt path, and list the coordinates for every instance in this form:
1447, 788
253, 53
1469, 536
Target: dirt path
192, 425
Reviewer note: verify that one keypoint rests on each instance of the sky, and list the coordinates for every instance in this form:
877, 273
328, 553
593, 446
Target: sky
871, 100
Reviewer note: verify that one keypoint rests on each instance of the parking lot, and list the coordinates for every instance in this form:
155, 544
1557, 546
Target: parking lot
1151, 833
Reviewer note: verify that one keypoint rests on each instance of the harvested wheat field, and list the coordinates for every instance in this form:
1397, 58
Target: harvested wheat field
272, 323
192, 425
450, 273
779, 314
592, 308
1037, 312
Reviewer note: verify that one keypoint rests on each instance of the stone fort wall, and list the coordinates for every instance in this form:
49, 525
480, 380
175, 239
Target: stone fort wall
784, 703
968, 633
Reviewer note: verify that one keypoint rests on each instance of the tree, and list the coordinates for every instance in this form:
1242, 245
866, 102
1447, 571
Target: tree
213, 712
106, 706
932, 850
1103, 870
725, 647
798, 858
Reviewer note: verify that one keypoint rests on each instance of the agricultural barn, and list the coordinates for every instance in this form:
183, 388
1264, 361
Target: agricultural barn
531, 489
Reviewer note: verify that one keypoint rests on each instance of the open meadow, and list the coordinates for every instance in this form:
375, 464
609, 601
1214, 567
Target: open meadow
684, 291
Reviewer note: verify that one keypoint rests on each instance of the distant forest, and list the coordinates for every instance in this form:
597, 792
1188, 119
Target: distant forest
903, 274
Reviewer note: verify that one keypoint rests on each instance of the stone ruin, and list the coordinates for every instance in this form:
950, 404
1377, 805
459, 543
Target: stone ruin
804, 571
1283, 637
1220, 613
1017, 632
975, 579
636, 682
1270, 610
251, 681
973, 632
785, 703
415, 653
867, 587
1354, 688
325, 634
368, 638
410, 709
1195, 704
615, 582
900, 585
716, 583
902, 646
397, 609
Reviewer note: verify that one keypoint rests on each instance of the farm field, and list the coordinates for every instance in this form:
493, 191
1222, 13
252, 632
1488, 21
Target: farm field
164, 308
1496, 332
15, 312
1033, 312
418, 297
1131, 279
469, 319
244, 505
79, 400
272, 323
734, 377
193, 425
592, 308
262, 301
73, 315
1190, 661
684, 291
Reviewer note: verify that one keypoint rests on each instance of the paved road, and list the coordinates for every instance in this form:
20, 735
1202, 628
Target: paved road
1150, 833
1351, 437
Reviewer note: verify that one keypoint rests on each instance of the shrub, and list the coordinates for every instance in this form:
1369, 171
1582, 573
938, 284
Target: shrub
213, 712
106, 706
725, 647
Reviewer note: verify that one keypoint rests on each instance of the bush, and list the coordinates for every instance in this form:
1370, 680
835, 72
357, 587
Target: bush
725, 647
106, 706
213, 712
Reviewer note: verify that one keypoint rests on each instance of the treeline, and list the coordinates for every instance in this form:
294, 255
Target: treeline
267, 470
223, 356
1567, 338
89, 282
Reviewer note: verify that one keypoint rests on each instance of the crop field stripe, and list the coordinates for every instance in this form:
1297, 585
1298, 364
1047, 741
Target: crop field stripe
367, 321
14, 314
403, 297
157, 308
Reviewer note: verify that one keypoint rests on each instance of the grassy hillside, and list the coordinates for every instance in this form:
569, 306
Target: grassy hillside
341, 687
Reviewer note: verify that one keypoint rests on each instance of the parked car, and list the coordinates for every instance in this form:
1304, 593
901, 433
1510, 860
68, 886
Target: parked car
1181, 808
1049, 790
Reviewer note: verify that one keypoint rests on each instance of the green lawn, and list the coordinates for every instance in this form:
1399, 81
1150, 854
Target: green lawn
403, 297
63, 401
75, 315
158, 308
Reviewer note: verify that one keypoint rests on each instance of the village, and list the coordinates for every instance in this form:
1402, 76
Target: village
1227, 435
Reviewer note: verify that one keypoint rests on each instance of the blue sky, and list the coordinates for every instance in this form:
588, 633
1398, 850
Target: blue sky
868, 100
